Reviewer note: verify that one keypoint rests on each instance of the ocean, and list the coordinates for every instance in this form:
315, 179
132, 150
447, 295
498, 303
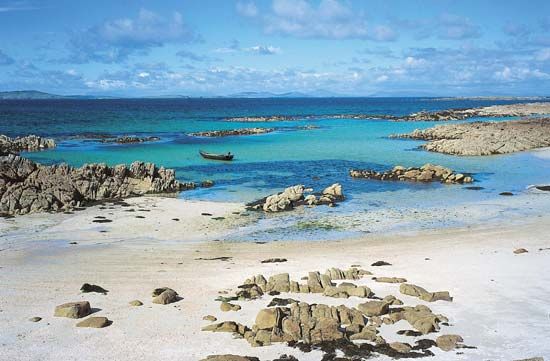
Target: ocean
290, 155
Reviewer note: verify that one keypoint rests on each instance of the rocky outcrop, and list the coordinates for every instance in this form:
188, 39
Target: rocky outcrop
130, 140
497, 111
27, 187
426, 173
232, 132
30, 143
485, 138
296, 196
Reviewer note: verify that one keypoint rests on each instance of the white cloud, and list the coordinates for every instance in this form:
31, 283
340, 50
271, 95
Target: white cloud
247, 8
264, 50
329, 19
113, 41
508, 74
543, 54
235, 47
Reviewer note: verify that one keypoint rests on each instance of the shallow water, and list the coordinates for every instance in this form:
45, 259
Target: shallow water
270, 162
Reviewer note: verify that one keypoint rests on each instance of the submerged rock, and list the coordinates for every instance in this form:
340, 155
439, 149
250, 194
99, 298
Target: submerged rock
232, 132
130, 140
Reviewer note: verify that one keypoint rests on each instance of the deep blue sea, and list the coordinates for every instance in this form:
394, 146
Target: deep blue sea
270, 162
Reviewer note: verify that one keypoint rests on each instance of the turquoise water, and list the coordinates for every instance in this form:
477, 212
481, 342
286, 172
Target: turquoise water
270, 162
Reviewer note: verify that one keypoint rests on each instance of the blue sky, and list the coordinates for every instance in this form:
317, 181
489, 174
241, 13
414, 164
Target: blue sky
215, 47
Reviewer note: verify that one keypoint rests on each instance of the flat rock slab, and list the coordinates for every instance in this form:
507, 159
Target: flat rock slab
94, 322
73, 309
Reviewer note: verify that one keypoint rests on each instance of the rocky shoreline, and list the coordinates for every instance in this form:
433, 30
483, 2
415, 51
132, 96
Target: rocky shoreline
232, 132
28, 187
497, 111
426, 173
484, 138
29, 143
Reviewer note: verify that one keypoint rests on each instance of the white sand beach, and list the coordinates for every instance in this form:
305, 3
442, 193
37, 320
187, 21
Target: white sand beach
500, 301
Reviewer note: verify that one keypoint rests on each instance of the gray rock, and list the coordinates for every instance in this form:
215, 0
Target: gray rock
73, 309
164, 296
94, 322
29, 143
27, 187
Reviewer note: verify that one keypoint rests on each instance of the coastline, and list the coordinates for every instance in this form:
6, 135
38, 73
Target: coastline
491, 286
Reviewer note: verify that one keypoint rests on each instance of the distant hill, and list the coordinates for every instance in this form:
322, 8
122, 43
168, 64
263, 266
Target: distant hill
314, 94
35, 94
27, 94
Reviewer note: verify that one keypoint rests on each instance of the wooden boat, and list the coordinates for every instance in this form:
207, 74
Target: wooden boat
214, 156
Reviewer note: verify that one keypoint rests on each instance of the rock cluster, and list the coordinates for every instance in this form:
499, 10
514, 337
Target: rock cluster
26, 186
426, 173
510, 110
295, 196
330, 328
232, 132
29, 143
316, 282
497, 111
130, 140
484, 138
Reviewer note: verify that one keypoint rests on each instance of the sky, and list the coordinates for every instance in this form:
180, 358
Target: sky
318, 47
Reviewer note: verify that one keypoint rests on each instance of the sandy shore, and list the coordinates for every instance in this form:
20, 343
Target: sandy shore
500, 299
